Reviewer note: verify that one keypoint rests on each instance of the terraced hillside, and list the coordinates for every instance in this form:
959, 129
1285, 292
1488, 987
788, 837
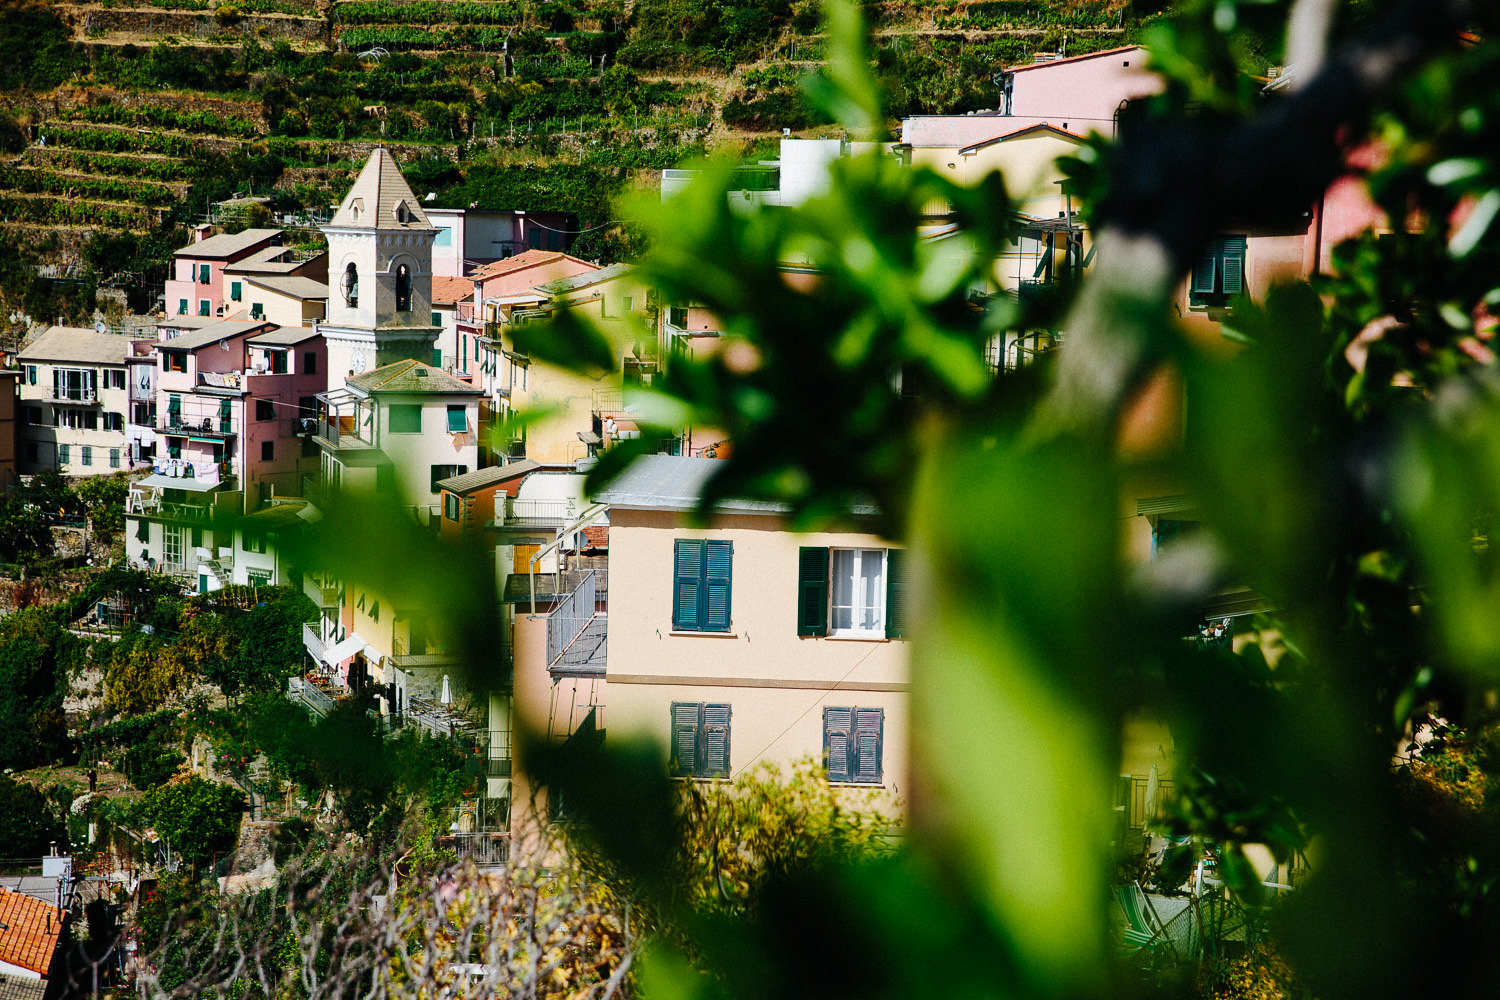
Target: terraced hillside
133, 116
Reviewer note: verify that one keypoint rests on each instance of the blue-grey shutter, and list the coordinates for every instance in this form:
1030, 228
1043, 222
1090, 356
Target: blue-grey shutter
717, 585
895, 594
1233, 259
869, 724
687, 585
1203, 274
715, 741
685, 720
838, 734
812, 591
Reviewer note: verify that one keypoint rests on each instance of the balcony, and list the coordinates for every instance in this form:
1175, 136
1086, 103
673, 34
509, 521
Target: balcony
322, 597
576, 633
189, 417
511, 512
309, 695
346, 421
408, 657
440, 720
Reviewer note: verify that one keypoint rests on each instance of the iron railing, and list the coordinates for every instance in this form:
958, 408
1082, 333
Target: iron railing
576, 631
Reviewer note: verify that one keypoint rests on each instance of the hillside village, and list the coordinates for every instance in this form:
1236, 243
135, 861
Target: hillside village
367, 422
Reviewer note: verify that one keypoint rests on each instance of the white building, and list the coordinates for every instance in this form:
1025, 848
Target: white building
73, 402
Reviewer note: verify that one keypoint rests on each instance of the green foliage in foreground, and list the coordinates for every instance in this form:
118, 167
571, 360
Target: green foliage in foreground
29, 821
1345, 458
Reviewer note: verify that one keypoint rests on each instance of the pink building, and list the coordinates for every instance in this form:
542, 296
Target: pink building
469, 238
231, 398
197, 285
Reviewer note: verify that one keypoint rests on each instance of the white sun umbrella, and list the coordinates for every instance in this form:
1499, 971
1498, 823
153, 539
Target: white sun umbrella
1153, 794
448, 700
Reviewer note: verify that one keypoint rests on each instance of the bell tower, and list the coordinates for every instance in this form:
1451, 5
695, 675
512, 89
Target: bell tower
379, 275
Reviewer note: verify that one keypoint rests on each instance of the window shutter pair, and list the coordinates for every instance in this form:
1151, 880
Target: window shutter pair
702, 583
812, 592
1221, 268
700, 740
852, 744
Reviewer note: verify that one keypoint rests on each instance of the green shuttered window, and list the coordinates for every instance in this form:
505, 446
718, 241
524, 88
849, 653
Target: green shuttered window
851, 592
702, 585
1219, 274
700, 740
852, 739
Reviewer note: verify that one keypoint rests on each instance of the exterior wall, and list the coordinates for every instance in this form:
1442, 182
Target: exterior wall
1029, 163
278, 307
42, 439
1081, 94
775, 681
10, 428
1269, 257
414, 455
476, 509
140, 415
281, 475
574, 399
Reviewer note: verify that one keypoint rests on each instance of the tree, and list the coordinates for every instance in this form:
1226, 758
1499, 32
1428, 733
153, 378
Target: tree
104, 498
32, 729
29, 825
198, 818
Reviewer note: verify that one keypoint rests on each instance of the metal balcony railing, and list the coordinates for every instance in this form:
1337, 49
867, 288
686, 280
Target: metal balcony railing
440, 720
576, 632
301, 690
535, 513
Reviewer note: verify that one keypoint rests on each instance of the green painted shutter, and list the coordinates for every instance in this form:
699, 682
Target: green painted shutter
1233, 262
685, 721
838, 733
225, 415
437, 356
718, 585
715, 743
1203, 274
895, 594
687, 585
865, 762
235, 290
174, 406
812, 590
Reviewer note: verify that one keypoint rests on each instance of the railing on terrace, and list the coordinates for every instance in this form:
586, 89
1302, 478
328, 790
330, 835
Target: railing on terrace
211, 420
440, 720
1132, 796
535, 513
490, 849
576, 631
322, 597
301, 690
466, 312
341, 429
609, 401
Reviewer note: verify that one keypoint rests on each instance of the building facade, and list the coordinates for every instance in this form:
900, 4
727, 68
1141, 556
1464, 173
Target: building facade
73, 401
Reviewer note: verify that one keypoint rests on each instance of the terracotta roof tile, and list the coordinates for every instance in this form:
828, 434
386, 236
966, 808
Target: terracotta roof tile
447, 288
521, 261
34, 929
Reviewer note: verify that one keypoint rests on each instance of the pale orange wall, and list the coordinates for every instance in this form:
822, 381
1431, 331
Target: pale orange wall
776, 682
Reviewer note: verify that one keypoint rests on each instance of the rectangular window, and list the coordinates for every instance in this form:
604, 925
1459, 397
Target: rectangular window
78, 385
114, 378
702, 585
441, 472
268, 451
629, 302
86, 454
174, 361
203, 273
182, 305
450, 506
114, 421
458, 419
677, 316
33, 415
62, 454
31, 374
114, 458
204, 306
257, 310
255, 541
851, 592
406, 418
700, 740
437, 357
277, 362
852, 740
1219, 274
309, 362
235, 290
437, 319
258, 578
141, 414
265, 409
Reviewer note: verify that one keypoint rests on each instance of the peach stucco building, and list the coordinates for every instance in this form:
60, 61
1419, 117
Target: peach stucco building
737, 642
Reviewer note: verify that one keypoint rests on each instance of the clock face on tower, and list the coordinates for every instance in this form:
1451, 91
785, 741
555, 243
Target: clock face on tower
357, 362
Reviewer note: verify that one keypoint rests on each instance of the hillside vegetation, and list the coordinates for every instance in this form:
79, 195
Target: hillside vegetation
136, 117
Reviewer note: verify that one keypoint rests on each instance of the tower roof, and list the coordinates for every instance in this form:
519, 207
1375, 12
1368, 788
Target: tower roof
381, 199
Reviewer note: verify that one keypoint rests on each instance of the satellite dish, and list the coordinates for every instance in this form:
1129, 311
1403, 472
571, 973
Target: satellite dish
224, 345
431, 196
99, 326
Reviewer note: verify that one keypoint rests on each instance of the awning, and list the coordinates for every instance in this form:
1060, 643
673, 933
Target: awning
341, 651
184, 483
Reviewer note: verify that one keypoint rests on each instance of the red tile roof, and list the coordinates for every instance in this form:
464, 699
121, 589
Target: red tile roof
34, 928
447, 288
521, 261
